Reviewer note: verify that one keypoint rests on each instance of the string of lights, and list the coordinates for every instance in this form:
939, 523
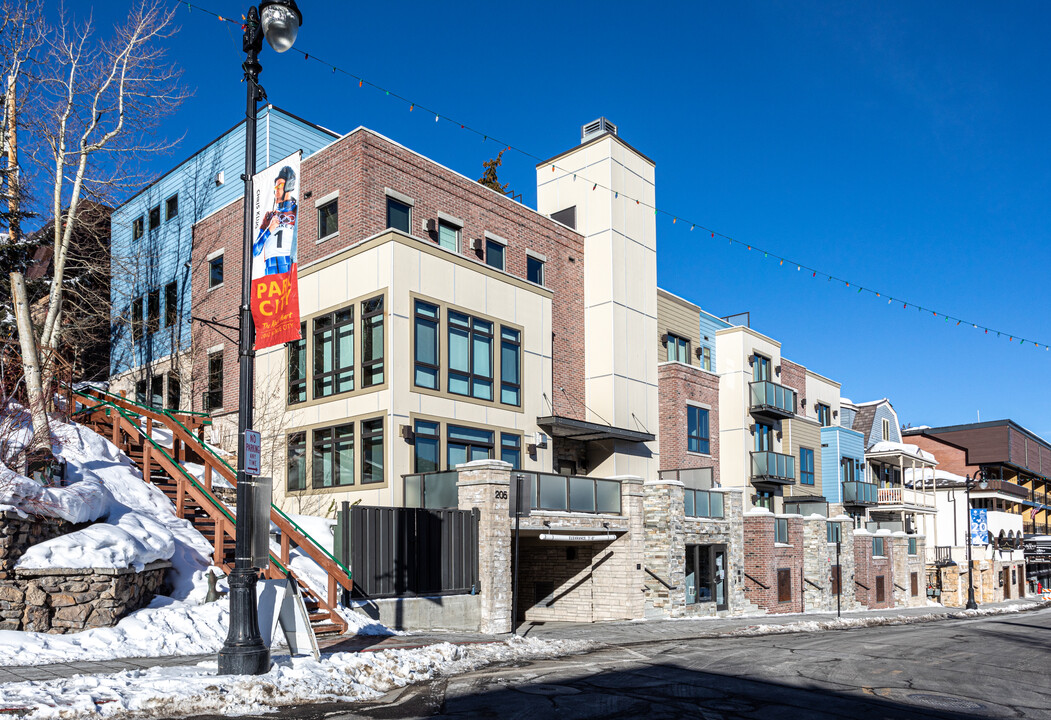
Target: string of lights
815, 273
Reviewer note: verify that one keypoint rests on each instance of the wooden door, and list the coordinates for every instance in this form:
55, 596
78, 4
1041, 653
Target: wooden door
915, 578
784, 585
881, 590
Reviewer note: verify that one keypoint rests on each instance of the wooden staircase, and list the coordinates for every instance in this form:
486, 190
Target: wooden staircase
130, 426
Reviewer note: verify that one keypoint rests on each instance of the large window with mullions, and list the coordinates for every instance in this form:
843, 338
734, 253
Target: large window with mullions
334, 352
426, 320
464, 444
470, 356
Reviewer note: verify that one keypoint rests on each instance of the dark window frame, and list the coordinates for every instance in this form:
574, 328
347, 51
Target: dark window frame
153, 311
473, 378
682, 348
762, 368
325, 442
515, 344
457, 235
138, 318
511, 443
296, 441
171, 304
535, 268
138, 227
781, 535
422, 318
824, 414
804, 452
332, 322
700, 440
369, 430
214, 264
298, 367
373, 368
468, 445
155, 212
326, 214
171, 202
882, 545
214, 393
494, 248
394, 202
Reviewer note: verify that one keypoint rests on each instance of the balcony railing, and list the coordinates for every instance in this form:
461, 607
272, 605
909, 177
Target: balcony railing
905, 496
703, 504
434, 490
771, 399
943, 555
856, 492
773, 467
569, 493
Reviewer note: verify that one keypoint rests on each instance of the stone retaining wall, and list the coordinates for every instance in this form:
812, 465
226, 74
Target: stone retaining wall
17, 534
64, 600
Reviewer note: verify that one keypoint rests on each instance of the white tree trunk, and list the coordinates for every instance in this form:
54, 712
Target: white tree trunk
31, 365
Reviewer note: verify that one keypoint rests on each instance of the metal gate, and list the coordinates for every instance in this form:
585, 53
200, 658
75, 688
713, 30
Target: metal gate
403, 552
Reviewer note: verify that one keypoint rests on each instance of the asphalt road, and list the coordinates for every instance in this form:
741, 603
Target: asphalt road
994, 667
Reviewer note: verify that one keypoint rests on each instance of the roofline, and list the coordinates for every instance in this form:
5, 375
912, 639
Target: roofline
923, 431
988, 424
594, 140
683, 300
269, 107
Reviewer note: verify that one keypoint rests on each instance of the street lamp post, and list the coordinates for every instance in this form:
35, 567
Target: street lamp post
979, 477
243, 652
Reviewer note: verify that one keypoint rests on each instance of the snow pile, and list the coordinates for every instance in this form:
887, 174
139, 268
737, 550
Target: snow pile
345, 677
197, 470
129, 540
85, 502
884, 446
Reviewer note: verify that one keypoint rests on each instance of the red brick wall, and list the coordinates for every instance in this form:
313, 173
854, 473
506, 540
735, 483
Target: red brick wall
360, 166
762, 560
678, 384
793, 376
867, 569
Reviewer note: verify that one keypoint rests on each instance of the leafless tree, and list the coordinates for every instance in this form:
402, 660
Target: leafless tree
88, 116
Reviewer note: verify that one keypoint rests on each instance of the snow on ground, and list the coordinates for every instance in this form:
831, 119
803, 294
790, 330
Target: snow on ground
129, 540
197, 470
197, 690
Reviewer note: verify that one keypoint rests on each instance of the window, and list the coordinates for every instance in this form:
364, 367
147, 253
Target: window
215, 272
213, 398
372, 342
153, 311
878, 548
806, 466
912, 546
297, 461
174, 392
534, 270
333, 458
449, 236
824, 415
706, 358
698, 437
764, 437
425, 449
784, 585
426, 345
781, 530
494, 254
140, 391
155, 217
849, 468
157, 392
328, 219
371, 451
511, 449
886, 429
464, 444
334, 353
678, 349
470, 356
760, 368
171, 304
835, 532
510, 363
398, 215
297, 367
137, 228
171, 207
136, 318
764, 499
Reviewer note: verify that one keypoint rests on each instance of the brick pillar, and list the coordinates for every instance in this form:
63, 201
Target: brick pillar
485, 484
665, 547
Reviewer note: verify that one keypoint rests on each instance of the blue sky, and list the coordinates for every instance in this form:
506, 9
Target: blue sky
900, 145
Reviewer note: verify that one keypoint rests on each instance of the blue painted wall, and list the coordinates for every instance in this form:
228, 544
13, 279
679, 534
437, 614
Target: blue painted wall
162, 255
883, 411
709, 325
837, 443
846, 416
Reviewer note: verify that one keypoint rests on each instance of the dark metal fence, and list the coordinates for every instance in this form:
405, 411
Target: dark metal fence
403, 552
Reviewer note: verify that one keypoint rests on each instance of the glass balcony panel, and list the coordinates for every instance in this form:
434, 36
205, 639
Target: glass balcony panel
607, 496
702, 504
688, 498
413, 486
552, 492
439, 490
581, 494
717, 505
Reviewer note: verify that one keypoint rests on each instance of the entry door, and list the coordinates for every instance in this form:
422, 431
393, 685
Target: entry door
719, 579
1007, 583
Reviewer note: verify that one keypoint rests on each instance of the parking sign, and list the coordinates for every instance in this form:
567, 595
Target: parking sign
253, 451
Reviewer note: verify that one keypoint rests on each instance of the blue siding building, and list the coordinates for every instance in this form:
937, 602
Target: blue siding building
706, 340
839, 444
151, 242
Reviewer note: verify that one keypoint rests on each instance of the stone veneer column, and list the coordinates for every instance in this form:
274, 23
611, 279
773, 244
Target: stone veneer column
665, 549
624, 569
486, 485
848, 599
817, 564
733, 509
899, 543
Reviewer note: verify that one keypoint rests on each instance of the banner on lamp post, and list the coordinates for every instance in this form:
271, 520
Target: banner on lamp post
979, 526
275, 287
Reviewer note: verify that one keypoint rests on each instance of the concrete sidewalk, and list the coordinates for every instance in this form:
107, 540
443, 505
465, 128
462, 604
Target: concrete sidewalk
608, 633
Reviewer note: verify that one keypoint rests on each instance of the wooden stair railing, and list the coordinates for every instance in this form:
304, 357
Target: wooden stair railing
121, 415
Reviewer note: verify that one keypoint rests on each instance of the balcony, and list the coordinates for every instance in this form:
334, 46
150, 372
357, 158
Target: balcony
558, 493
771, 467
433, 490
859, 493
771, 400
905, 497
1004, 488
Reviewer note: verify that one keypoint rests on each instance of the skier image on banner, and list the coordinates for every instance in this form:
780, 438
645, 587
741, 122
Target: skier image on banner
276, 241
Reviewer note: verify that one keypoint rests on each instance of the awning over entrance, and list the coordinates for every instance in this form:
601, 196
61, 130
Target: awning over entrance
563, 427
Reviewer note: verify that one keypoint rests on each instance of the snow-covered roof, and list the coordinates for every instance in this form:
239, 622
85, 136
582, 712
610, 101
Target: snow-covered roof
943, 477
872, 402
914, 451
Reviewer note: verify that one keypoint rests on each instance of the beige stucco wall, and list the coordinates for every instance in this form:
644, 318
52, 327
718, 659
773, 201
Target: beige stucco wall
404, 268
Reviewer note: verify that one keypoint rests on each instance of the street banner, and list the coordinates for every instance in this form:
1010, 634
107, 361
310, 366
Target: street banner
979, 527
275, 287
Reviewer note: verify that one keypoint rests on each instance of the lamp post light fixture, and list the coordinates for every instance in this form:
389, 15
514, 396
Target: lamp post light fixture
982, 483
243, 652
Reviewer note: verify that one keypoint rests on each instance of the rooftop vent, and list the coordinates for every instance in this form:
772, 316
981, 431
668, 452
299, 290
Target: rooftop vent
596, 128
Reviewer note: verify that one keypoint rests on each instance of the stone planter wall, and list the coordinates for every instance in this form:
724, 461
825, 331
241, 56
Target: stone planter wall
64, 600
17, 534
